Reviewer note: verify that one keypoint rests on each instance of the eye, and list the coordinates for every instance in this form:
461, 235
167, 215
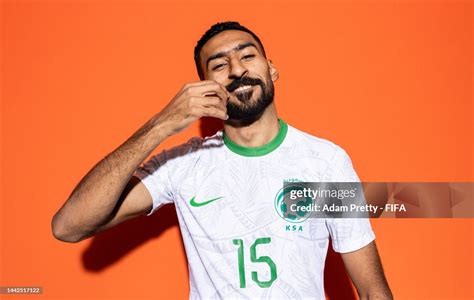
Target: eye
248, 56
218, 67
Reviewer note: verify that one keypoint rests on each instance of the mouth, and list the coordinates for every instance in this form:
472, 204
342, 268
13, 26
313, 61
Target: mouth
244, 88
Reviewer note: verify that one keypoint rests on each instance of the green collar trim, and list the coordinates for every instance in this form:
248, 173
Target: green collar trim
261, 150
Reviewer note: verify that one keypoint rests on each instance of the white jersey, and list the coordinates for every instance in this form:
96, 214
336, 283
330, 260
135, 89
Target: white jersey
237, 243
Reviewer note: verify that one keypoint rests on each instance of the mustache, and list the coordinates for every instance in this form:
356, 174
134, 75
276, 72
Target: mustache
243, 82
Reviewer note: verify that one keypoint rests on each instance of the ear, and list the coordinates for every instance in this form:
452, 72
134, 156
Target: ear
273, 70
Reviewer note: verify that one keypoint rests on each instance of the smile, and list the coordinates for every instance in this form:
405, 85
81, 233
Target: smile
243, 88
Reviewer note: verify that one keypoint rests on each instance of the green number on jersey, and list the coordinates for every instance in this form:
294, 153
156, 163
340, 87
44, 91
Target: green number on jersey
255, 259
240, 243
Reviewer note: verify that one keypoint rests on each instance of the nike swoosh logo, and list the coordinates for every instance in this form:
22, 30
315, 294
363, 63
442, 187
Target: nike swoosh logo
197, 204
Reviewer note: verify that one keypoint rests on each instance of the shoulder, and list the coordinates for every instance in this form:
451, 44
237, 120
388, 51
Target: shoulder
323, 148
193, 148
178, 159
339, 164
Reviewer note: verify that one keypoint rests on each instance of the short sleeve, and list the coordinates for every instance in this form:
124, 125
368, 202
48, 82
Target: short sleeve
341, 169
347, 234
154, 174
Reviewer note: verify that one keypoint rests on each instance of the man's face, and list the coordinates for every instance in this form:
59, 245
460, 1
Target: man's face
234, 59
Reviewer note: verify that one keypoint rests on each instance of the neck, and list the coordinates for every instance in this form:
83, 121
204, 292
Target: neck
257, 134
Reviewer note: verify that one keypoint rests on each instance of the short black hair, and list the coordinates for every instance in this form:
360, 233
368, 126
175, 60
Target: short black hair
213, 31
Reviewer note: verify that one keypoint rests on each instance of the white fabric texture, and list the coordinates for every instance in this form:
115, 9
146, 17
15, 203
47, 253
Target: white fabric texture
225, 203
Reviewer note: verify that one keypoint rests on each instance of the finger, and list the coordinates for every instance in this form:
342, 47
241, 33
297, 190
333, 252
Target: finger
199, 83
211, 101
214, 112
208, 88
213, 88
219, 107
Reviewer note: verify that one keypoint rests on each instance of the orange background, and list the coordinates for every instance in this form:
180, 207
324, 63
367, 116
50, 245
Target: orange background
391, 82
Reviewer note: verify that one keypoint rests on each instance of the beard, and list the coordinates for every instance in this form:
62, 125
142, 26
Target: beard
246, 112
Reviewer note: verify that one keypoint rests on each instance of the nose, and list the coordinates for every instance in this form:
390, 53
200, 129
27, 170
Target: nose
237, 69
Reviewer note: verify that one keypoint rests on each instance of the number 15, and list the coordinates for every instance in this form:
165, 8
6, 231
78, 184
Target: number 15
255, 259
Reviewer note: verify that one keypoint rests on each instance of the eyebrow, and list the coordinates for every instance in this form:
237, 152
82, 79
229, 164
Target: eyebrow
223, 53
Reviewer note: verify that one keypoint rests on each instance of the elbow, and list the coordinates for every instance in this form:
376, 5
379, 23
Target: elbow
60, 232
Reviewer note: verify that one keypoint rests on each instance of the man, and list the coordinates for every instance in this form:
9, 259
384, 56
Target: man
224, 186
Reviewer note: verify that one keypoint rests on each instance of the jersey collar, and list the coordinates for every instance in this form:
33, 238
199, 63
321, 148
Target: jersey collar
260, 150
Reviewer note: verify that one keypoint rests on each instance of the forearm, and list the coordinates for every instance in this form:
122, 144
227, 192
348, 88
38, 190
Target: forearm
93, 200
365, 269
373, 284
380, 292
